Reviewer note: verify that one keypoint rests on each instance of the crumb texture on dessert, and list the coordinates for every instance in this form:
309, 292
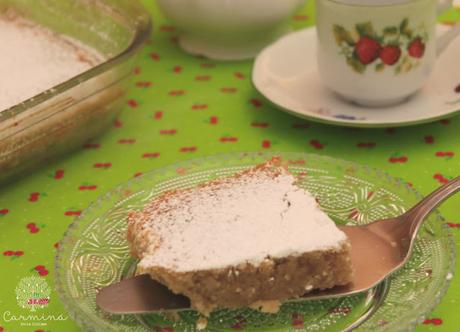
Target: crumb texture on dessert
34, 59
252, 239
247, 218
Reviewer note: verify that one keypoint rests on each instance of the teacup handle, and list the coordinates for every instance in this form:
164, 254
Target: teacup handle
445, 39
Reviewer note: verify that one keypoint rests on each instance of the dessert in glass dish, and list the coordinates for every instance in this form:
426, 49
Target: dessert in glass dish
87, 49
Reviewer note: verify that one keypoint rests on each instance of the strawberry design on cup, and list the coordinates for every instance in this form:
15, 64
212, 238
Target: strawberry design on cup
416, 48
398, 46
379, 53
367, 50
390, 54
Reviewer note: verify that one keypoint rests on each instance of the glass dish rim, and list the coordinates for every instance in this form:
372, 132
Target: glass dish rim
142, 32
409, 326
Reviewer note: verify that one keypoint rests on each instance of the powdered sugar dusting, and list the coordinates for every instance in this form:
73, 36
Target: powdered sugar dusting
34, 59
241, 219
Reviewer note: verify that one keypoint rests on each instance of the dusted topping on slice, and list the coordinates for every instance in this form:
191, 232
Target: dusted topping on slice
255, 215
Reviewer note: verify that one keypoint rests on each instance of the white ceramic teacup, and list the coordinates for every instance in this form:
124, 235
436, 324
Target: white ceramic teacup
229, 29
378, 52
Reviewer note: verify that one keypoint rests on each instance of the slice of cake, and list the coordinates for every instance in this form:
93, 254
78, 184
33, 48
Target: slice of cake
246, 240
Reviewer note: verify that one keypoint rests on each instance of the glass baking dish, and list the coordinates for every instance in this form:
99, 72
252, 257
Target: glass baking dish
63, 117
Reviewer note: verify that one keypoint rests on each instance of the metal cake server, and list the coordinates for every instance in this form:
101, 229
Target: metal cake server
378, 249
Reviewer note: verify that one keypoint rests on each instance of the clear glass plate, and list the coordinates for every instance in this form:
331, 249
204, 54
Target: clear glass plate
94, 252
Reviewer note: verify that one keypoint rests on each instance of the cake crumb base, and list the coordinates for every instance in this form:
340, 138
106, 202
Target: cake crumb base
256, 286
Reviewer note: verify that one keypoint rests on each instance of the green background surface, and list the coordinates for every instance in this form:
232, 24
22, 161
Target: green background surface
194, 107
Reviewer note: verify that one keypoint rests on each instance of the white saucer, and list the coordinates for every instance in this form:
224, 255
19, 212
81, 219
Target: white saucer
286, 74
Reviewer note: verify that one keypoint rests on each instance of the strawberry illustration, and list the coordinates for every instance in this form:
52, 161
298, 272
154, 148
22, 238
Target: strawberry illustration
266, 144
143, 84
202, 78
390, 131
441, 178
155, 56
434, 321
445, 121
168, 131
429, 139
91, 146
59, 174
259, 124
87, 187
297, 321
239, 324
33, 197
300, 125
316, 144
196, 107
33, 228
390, 54
151, 155
158, 115
395, 160
133, 103
256, 102
225, 139
176, 93
188, 149
42, 271
366, 145
102, 165
13, 254
117, 123
228, 90
239, 75
213, 120
398, 158
127, 141
364, 45
416, 48
367, 50
448, 154
71, 213
177, 69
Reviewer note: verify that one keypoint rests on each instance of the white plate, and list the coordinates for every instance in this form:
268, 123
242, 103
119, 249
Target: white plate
286, 74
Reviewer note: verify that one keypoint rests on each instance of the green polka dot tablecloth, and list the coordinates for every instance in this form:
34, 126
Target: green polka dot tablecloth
183, 107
